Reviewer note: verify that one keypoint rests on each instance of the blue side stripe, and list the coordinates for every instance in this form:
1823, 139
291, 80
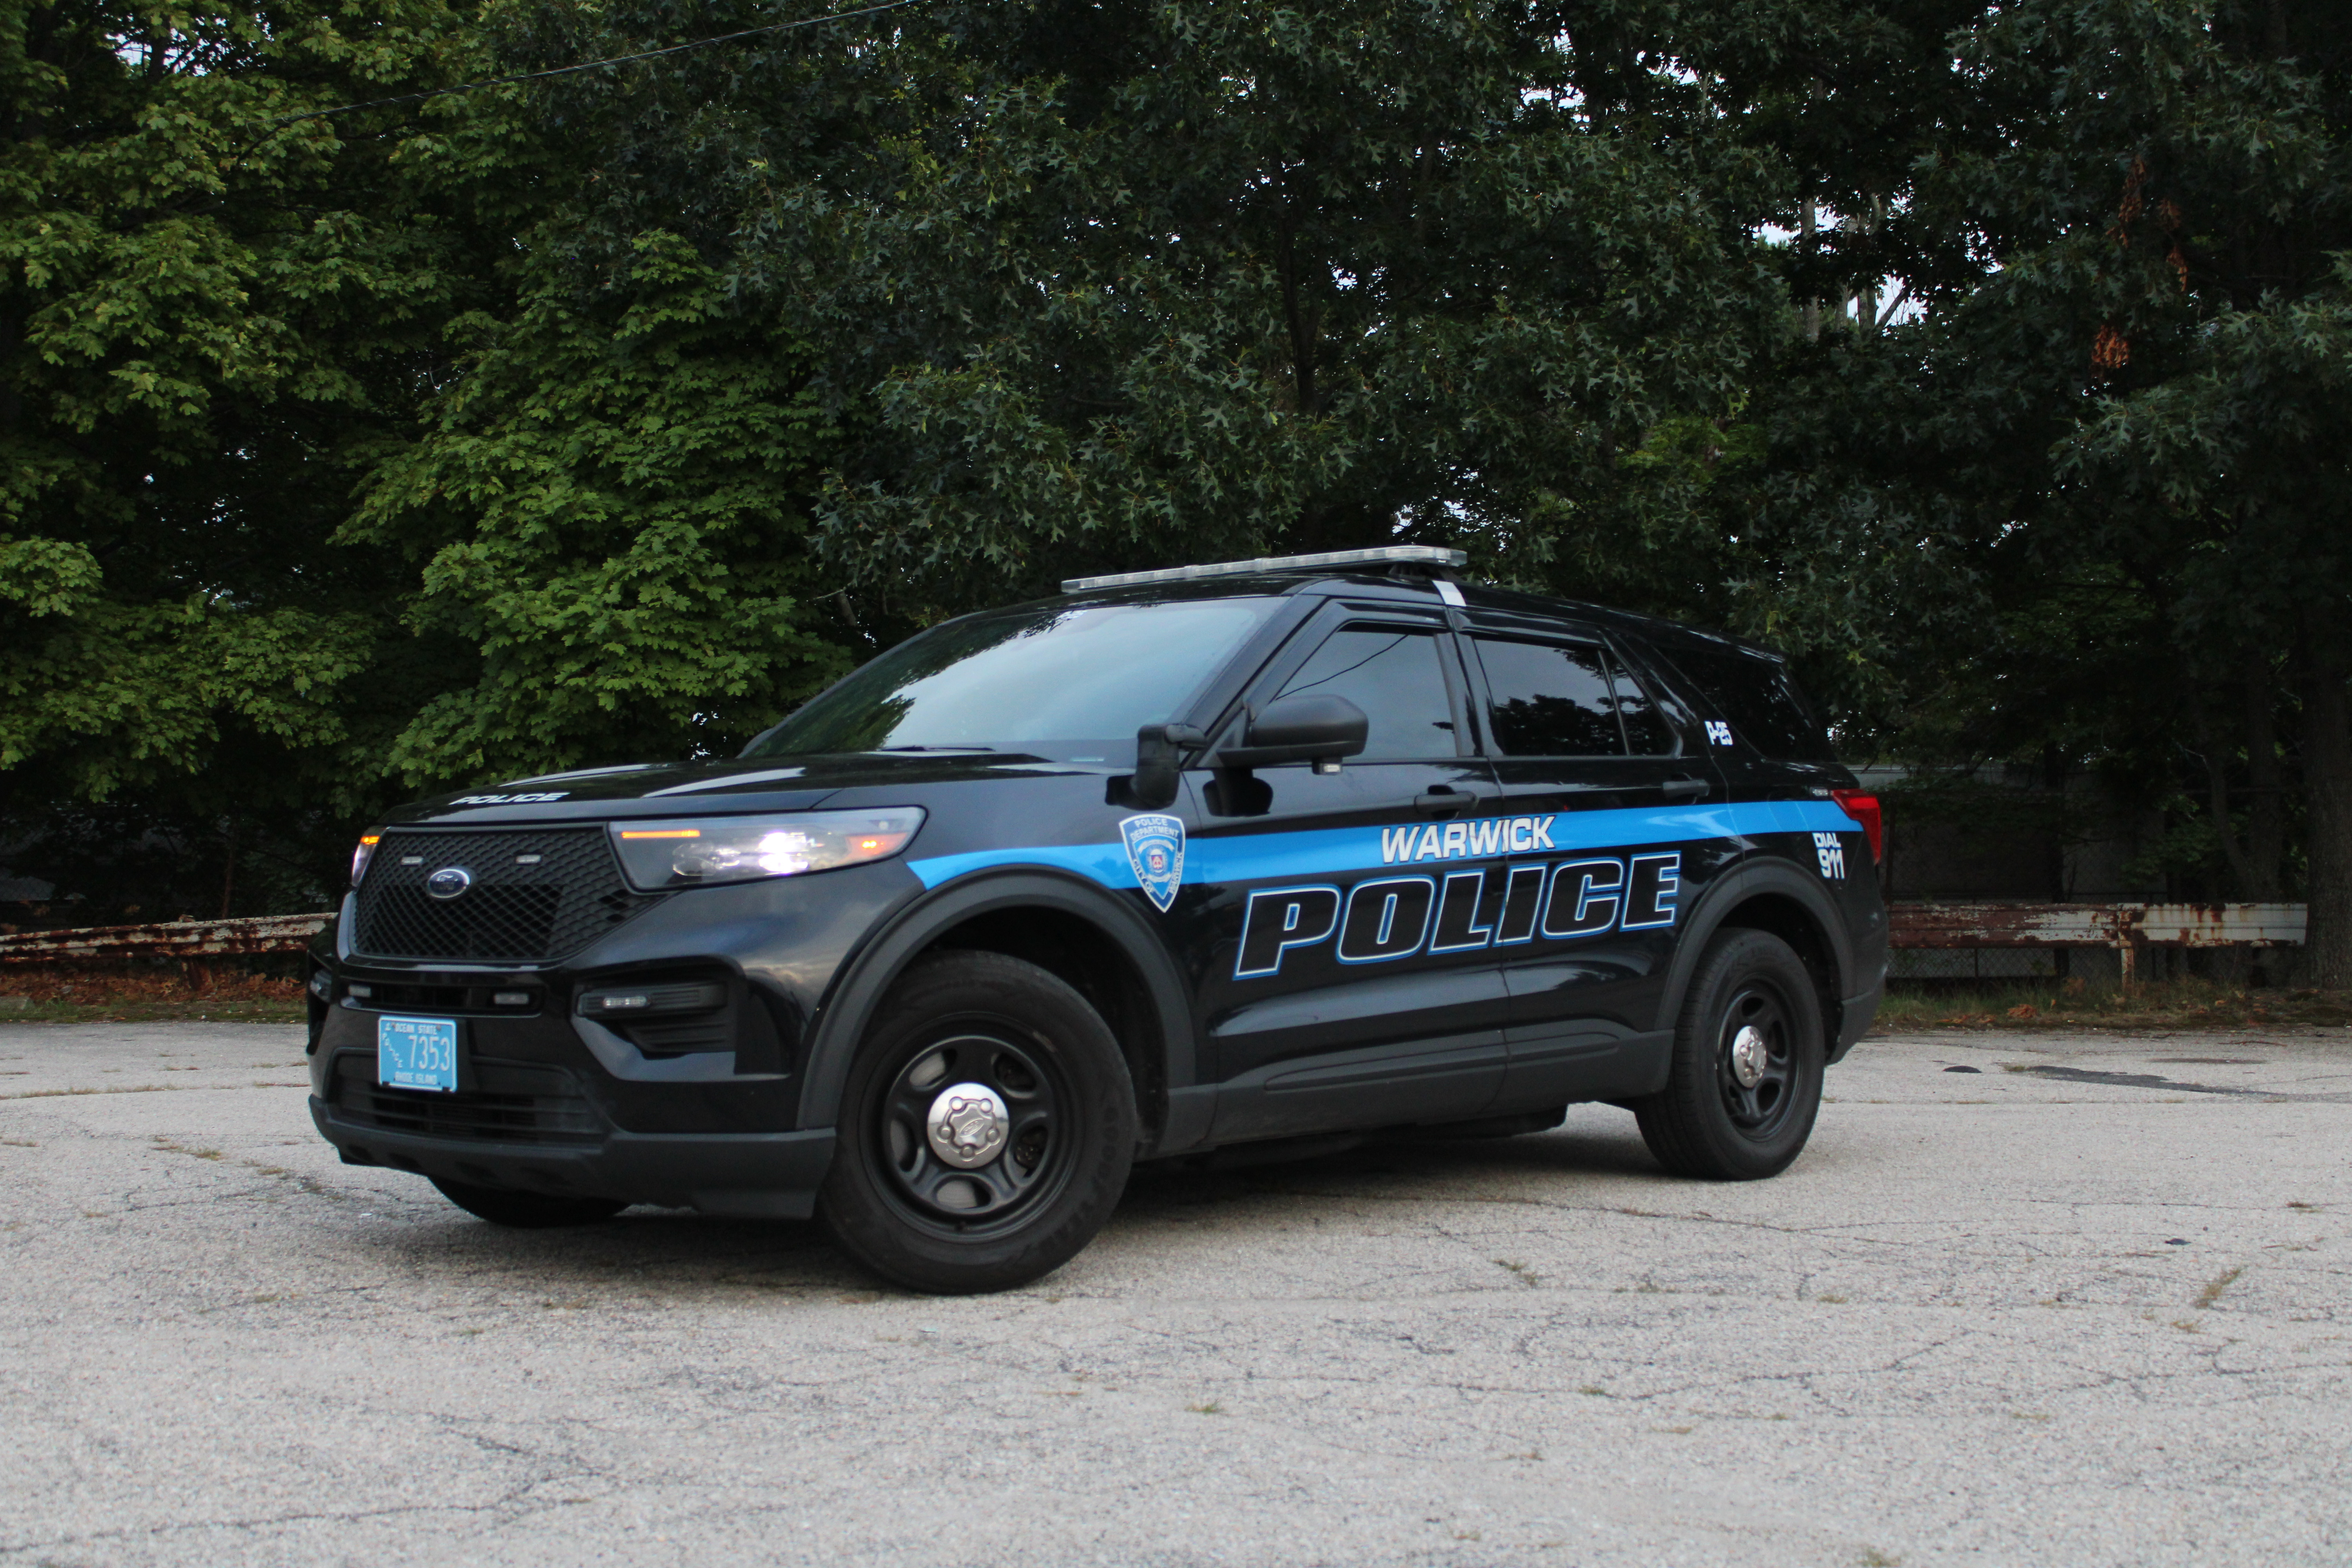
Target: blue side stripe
1248, 857
1105, 863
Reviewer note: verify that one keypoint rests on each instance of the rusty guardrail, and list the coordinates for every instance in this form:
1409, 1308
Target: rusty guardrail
195, 940
2126, 928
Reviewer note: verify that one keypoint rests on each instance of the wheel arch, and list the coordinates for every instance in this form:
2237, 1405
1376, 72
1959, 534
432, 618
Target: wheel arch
1074, 930
1770, 895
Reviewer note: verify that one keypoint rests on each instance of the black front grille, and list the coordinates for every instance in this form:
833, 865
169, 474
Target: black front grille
536, 894
507, 1102
380, 997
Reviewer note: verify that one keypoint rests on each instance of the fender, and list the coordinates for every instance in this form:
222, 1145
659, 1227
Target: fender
1762, 873
859, 991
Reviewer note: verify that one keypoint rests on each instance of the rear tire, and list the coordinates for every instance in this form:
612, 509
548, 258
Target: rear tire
1749, 1055
526, 1211
1038, 1135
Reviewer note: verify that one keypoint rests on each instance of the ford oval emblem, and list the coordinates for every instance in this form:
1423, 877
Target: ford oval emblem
449, 881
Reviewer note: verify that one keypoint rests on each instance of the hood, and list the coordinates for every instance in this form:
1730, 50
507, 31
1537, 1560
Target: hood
721, 787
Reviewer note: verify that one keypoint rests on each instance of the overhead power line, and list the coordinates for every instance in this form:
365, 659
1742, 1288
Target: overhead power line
593, 65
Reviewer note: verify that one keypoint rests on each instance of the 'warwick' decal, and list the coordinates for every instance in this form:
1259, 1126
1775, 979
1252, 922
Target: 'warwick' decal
1475, 840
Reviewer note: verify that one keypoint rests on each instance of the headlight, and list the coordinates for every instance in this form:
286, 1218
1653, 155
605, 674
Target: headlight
657, 856
363, 854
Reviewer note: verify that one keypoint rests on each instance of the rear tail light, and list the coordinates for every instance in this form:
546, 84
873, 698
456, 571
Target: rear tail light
1863, 808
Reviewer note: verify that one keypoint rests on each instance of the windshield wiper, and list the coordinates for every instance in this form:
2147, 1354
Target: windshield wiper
935, 748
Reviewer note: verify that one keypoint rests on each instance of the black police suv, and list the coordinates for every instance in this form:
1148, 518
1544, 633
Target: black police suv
1259, 854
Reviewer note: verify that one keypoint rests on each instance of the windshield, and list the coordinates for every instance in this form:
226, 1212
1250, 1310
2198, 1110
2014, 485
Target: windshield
1070, 684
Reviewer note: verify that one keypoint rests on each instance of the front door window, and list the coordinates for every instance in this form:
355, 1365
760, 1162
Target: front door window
1393, 676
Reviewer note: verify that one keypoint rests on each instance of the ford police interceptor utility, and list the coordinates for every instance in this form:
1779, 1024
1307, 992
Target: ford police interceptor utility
1269, 853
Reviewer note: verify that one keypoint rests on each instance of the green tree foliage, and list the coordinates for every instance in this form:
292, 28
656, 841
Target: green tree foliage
327, 478
2172, 195
1256, 279
204, 318
1126, 284
2075, 503
606, 505
1989, 358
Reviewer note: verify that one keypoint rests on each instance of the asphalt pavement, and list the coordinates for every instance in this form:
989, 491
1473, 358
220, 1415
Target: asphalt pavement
2026, 1300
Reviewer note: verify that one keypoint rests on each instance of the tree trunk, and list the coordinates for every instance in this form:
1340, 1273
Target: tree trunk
2255, 858
228, 873
2327, 790
2266, 789
1810, 314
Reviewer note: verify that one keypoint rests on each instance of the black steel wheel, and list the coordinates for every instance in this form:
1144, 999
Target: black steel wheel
986, 1128
1746, 1081
974, 1131
1756, 1064
526, 1211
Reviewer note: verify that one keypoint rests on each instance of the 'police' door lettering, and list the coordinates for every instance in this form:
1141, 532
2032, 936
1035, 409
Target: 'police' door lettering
1395, 917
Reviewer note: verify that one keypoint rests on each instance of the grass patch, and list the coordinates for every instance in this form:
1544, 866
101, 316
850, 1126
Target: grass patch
2166, 1005
157, 992
2212, 1292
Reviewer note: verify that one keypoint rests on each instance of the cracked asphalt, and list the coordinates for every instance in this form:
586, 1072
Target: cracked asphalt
2090, 1302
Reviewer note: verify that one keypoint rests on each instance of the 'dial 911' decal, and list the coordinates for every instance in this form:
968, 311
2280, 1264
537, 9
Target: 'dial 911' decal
1386, 918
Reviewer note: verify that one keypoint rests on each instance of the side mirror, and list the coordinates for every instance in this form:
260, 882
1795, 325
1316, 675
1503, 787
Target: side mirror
1308, 727
1159, 748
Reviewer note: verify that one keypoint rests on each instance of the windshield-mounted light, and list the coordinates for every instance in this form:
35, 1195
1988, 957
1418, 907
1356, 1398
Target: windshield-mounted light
657, 857
364, 853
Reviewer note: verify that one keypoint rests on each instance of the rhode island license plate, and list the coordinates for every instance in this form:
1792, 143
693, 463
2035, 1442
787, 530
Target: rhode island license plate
416, 1053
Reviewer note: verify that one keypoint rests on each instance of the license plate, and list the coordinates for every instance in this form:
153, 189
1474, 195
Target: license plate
417, 1053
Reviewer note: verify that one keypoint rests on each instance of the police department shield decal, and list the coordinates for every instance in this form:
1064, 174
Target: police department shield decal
1155, 848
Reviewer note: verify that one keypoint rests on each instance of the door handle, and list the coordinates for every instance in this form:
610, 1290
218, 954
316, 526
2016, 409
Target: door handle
1684, 789
1444, 800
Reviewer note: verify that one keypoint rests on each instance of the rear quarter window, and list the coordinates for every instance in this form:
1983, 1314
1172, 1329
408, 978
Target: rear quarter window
1755, 693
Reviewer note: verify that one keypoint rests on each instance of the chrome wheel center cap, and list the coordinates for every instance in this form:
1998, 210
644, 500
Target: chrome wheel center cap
968, 1125
1749, 1056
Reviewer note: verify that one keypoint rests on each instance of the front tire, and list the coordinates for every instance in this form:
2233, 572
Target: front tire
1748, 1056
986, 1128
526, 1211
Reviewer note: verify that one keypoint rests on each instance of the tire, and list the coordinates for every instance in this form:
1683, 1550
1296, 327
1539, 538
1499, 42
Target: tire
1707, 1121
526, 1211
1015, 1186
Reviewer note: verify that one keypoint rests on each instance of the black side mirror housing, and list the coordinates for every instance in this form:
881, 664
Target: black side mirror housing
1312, 727
1158, 764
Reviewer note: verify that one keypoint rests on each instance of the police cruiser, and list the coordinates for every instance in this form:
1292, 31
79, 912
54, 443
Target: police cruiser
1248, 857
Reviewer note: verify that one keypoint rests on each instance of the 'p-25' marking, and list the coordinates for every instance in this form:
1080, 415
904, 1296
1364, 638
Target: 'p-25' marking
1388, 918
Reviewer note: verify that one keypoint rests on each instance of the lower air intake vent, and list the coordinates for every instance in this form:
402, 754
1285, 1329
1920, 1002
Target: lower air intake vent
526, 895
508, 1102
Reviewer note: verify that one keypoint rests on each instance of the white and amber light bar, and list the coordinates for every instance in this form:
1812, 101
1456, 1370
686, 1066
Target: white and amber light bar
1386, 555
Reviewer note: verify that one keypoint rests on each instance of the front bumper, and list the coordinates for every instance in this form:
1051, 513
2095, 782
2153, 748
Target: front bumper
771, 1175
699, 1111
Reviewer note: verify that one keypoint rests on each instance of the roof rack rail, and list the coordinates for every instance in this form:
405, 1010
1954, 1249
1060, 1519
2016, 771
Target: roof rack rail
1386, 555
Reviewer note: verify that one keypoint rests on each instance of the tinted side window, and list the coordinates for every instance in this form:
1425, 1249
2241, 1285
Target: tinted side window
1394, 676
1549, 700
1754, 693
1647, 733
